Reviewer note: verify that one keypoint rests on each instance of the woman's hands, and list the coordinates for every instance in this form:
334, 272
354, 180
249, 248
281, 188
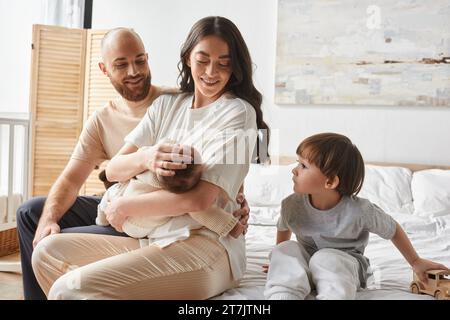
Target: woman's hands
116, 213
164, 158
243, 215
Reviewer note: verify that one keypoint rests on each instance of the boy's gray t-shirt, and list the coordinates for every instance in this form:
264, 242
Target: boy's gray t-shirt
345, 227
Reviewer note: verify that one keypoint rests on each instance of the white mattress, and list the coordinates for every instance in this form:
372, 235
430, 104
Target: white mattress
430, 237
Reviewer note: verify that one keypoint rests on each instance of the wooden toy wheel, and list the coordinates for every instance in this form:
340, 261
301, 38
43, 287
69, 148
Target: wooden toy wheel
414, 289
438, 295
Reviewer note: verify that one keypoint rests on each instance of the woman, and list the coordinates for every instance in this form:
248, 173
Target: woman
219, 110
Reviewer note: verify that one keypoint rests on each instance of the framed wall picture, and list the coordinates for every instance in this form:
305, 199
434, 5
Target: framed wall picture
394, 53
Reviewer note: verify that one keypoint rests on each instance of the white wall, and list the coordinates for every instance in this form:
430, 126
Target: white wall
16, 20
394, 134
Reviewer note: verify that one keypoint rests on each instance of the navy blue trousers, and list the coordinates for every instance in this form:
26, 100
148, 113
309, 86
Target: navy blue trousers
80, 218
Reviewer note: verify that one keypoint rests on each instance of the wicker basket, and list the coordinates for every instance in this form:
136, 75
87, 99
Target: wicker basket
9, 241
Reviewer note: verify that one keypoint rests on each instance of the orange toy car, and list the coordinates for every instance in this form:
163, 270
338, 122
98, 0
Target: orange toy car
438, 284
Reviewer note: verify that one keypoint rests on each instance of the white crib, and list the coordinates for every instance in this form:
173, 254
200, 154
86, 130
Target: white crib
14, 155
14, 159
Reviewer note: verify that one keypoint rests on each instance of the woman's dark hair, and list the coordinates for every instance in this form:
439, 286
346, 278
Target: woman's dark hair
241, 80
335, 155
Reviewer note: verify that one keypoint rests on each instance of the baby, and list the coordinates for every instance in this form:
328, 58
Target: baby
331, 225
214, 218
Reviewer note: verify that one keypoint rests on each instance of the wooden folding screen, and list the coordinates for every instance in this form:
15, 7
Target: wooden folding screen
56, 102
66, 88
97, 91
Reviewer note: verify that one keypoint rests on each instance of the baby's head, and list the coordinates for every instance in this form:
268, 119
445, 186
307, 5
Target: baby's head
328, 161
184, 179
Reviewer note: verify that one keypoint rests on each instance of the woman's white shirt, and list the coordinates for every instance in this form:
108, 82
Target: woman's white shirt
224, 132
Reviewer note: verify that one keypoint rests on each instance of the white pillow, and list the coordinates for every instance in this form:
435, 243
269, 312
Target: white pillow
431, 192
389, 188
268, 185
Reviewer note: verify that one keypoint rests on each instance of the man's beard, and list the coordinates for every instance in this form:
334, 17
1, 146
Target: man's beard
133, 95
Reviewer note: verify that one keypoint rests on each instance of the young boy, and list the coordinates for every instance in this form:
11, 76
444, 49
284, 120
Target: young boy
332, 226
214, 218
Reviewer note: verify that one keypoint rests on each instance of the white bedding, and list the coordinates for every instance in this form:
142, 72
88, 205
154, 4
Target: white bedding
392, 274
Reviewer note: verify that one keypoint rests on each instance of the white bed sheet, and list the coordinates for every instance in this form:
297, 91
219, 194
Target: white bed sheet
392, 274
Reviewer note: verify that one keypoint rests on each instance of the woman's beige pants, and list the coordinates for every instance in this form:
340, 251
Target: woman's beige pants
91, 266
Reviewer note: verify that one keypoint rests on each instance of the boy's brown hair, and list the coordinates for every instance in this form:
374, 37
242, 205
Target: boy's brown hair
335, 155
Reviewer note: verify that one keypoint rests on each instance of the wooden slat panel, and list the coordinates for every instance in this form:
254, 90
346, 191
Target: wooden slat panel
56, 101
97, 86
97, 92
67, 86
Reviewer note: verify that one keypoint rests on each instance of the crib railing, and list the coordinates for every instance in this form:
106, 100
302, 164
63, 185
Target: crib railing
14, 158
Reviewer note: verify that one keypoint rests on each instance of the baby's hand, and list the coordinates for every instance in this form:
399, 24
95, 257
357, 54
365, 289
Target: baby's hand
421, 265
265, 268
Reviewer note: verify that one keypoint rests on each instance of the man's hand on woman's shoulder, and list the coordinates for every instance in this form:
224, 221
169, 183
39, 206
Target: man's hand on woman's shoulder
242, 214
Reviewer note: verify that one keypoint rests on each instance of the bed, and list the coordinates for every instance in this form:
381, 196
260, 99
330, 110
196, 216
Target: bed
417, 196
